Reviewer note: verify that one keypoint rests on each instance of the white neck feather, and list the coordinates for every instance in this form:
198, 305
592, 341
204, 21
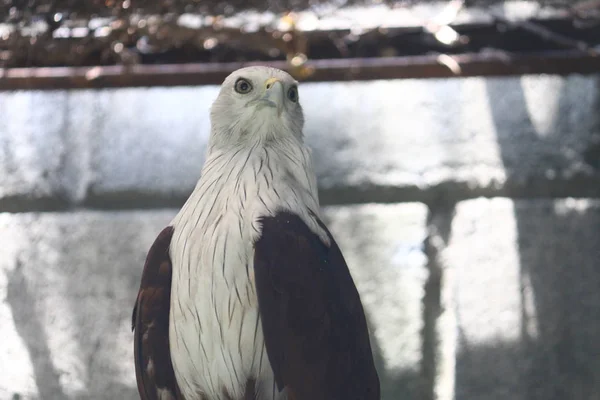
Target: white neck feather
254, 180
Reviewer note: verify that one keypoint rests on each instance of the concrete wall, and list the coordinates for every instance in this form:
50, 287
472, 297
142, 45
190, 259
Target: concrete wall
468, 211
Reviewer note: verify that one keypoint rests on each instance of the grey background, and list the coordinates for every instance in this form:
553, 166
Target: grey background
467, 210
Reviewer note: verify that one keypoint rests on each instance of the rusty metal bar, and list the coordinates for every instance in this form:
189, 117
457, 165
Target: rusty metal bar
360, 69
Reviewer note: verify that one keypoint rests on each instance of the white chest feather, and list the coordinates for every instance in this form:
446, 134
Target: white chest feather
215, 335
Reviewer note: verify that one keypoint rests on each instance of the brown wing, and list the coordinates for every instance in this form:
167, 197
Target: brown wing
150, 323
313, 321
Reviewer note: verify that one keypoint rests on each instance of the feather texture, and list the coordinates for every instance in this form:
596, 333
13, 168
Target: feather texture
150, 323
313, 321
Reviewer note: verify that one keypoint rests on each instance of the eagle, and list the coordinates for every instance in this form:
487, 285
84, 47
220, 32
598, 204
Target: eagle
245, 295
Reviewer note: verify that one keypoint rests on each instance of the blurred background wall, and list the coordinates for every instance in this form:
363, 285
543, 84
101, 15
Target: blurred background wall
467, 209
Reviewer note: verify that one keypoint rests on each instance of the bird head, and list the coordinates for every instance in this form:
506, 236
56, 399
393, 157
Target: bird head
256, 103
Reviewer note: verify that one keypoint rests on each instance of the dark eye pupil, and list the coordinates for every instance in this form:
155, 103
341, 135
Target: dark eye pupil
243, 86
293, 94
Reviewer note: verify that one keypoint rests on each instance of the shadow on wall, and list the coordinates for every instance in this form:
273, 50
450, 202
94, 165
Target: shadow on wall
31, 330
71, 298
562, 268
556, 352
558, 253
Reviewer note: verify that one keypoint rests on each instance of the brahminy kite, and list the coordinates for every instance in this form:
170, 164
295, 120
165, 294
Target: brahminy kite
246, 295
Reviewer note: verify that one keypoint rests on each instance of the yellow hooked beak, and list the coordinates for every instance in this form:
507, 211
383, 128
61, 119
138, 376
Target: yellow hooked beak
269, 82
274, 96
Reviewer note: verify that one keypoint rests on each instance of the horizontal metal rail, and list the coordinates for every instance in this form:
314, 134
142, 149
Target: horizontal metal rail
560, 62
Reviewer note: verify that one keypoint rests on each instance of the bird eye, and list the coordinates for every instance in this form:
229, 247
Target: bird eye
243, 86
293, 94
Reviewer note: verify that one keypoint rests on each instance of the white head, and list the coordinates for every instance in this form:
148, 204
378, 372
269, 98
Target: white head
256, 103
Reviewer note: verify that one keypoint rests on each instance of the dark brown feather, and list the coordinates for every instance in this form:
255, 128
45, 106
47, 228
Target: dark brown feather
312, 317
150, 323
249, 391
